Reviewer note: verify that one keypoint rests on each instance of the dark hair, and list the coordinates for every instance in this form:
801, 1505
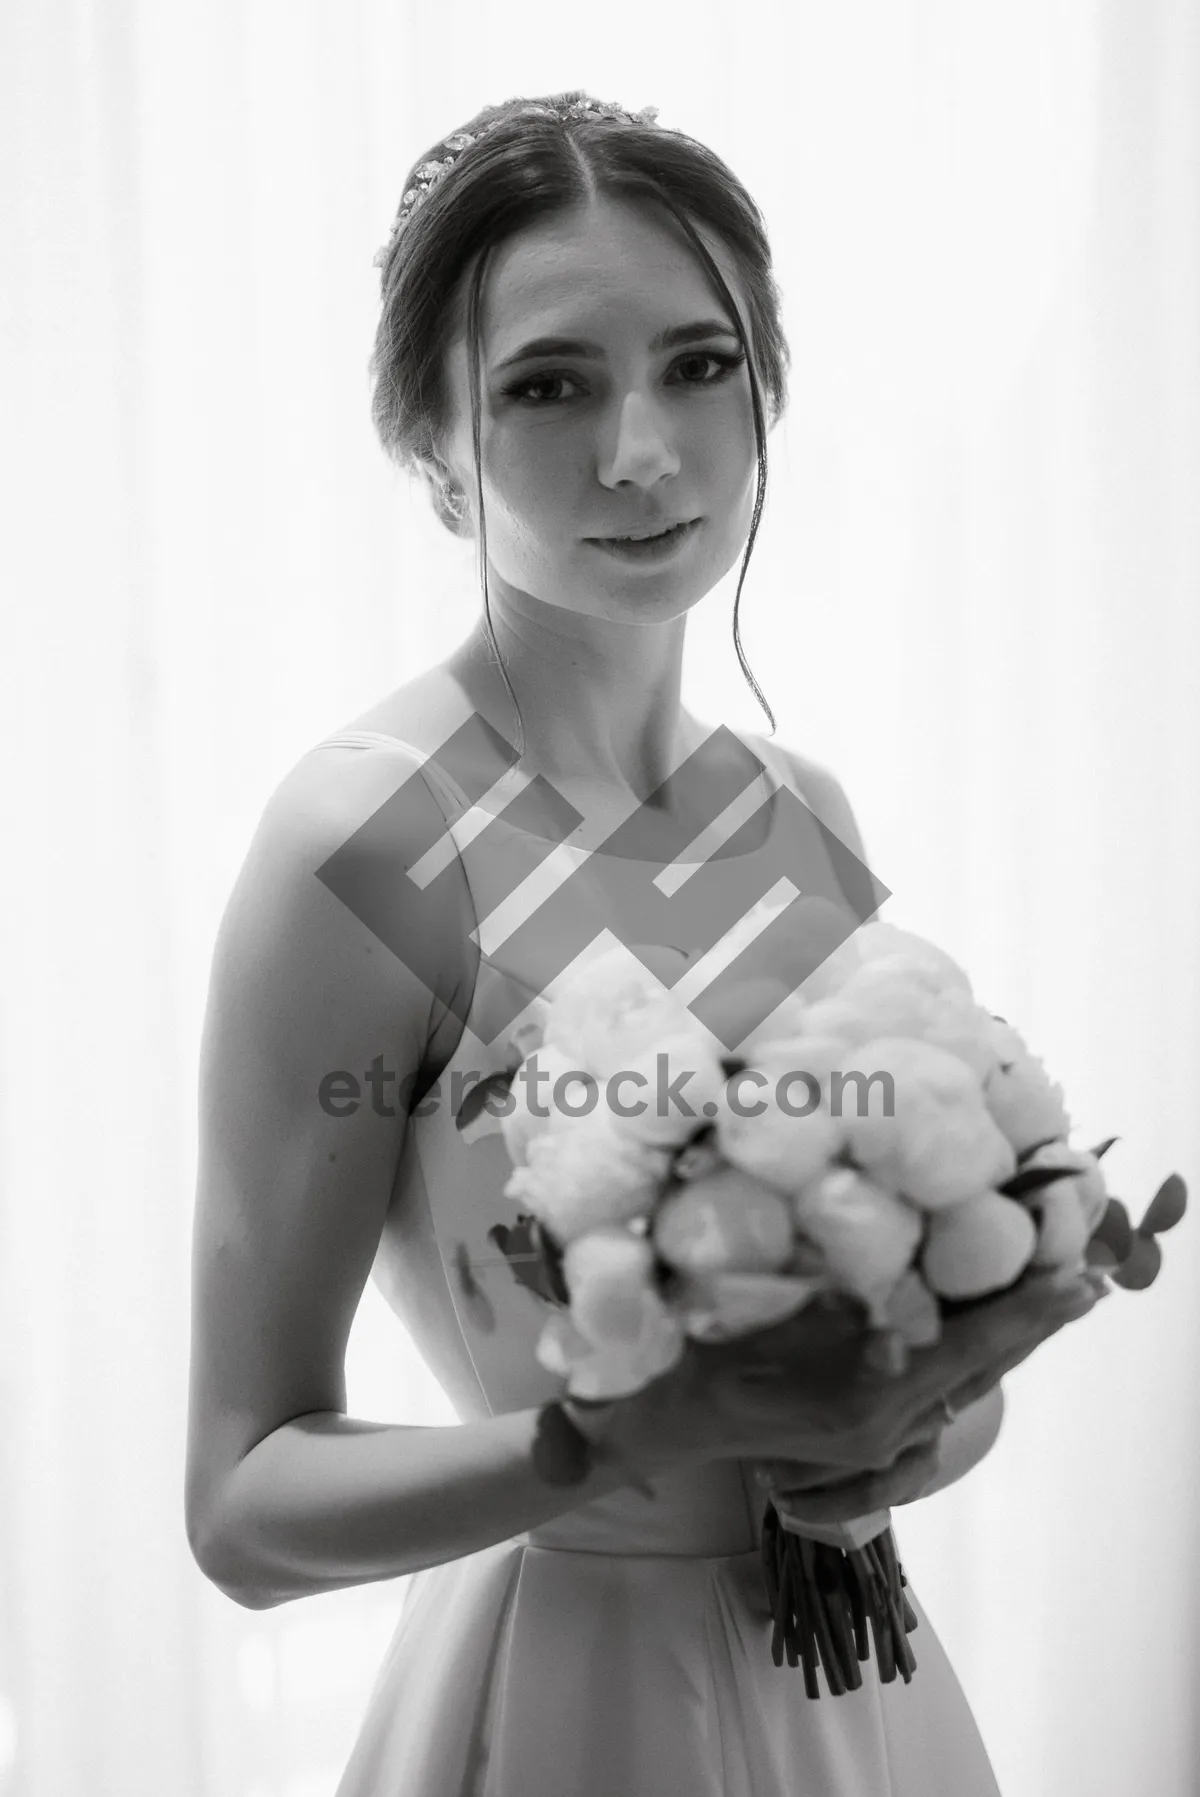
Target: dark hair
529, 166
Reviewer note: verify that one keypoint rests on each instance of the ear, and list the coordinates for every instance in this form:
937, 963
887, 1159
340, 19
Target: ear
442, 489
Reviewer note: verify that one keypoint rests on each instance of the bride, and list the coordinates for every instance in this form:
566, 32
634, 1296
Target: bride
580, 351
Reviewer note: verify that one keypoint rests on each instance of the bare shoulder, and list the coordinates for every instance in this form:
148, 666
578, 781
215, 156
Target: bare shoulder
423, 712
824, 794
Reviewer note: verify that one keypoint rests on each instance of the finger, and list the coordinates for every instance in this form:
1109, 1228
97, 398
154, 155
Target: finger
979, 1383
994, 1336
901, 1483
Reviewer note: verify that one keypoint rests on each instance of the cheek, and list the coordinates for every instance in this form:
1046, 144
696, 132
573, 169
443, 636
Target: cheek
525, 466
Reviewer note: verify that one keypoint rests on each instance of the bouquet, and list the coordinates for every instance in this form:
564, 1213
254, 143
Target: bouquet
729, 1209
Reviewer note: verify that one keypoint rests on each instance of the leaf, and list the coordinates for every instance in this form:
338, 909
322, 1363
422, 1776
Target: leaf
1100, 1256
1115, 1231
1033, 1179
1166, 1208
487, 1123
533, 1258
1036, 1148
495, 1084
1142, 1267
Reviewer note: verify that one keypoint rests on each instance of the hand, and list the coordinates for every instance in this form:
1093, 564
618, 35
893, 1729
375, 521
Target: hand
822, 1494
802, 1390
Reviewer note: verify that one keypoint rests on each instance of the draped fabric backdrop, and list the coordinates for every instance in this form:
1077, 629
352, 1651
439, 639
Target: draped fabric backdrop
974, 596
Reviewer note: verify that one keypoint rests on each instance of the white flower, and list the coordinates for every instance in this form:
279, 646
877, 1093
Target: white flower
521, 1123
724, 1222
607, 1271
582, 1172
683, 1063
965, 1029
1008, 1041
783, 1150
890, 999
827, 980
866, 1234
820, 1056
885, 941
722, 1306
978, 1246
1028, 1106
787, 1020
615, 1371
939, 1143
948, 1151
1087, 1180
1062, 1235
601, 1012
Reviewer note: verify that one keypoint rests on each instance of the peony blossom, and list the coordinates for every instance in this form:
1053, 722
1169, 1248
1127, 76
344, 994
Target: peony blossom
963, 1028
884, 941
687, 1048
866, 1234
606, 1008
725, 1222
946, 1150
887, 999
1028, 1107
1062, 1235
938, 1140
977, 1246
582, 1172
722, 1306
521, 1123
1087, 1180
607, 1270
615, 1371
782, 1150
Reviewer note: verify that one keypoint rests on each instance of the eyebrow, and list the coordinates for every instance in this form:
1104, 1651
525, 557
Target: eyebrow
701, 329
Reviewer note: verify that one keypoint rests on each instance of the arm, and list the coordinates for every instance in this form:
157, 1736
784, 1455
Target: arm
966, 1441
326, 1501
286, 1495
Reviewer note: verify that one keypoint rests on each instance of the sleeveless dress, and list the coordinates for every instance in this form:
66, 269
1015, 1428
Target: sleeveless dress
622, 1649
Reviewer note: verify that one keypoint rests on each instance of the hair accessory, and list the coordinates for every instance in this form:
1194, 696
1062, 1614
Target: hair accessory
429, 174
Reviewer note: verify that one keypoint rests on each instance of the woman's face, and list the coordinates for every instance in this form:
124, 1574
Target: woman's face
624, 432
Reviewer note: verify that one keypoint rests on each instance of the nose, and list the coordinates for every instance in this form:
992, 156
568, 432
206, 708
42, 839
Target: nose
642, 450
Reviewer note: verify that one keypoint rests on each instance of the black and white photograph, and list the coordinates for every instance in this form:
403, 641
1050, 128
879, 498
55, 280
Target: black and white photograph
600, 1017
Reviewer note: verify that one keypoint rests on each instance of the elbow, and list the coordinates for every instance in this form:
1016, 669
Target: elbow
240, 1591
213, 1554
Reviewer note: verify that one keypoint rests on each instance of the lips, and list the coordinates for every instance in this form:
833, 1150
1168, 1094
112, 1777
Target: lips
644, 531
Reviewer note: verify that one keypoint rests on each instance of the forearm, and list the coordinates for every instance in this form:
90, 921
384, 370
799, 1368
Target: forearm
328, 1501
966, 1441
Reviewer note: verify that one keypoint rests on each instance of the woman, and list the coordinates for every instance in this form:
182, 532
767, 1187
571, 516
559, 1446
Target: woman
579, 322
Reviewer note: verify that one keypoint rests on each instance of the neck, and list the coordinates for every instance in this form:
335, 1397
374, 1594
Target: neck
599, 699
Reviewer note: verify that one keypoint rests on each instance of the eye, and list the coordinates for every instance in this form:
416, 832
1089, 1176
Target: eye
521, 391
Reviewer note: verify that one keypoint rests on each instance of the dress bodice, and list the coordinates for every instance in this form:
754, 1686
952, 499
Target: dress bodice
477, 1329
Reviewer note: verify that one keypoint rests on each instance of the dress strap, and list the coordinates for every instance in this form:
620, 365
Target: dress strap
443, 785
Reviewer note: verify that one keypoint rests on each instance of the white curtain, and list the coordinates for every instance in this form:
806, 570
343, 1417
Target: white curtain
974, 596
